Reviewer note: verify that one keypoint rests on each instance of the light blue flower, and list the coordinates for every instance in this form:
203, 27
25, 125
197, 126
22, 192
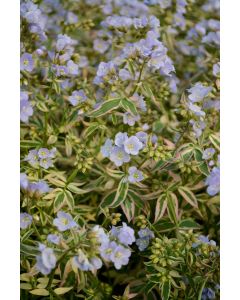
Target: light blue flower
144, 238
95, 263
77, 97
54, 238
213, 182
139, 101
126, 235
46, 261
100, 234
100, 45
24, 181
43, 153
82, 262
120, 138
46, 163
135, 175
130, 119
32, 158
208, 294
107, 148
198, 127
72, 68
25, 220
216, 69
119, 156
198, 92
41, 187
63, 41
26, 110
132, 145
125, 75
64, 221
106, 249
120, 256
145, 232
142, 136
196, 110
208, 153
26, 62
142, 243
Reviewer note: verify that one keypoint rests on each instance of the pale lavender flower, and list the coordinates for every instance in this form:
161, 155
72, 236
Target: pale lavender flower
208, 294
130, 119
25, 220
63, 41
95, 263
198, 127
139, 101
72, 18
106, 249
100, 234
83, 62
119, 156
41, 187
107, 148
32, 158
54, 238
126, 235
120, 138
135, 175
142, 243
100, 45
24, 181
46, 261
26, 110
213, 182
26, 62
77, 97
82, 262
125, 75
46, 162
132, 145
64, 221
198, 92
196, 110
146, 232
142, 136
72, 68
208, 153
120, 256
43, 153
216, 69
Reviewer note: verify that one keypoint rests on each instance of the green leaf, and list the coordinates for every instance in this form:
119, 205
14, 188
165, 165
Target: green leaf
164, 226
59, 201
214, 138
188, 224
29, 144
42, 106
161, 206
128, 207
92, 128
119, 197
69, 200
105, 108
74, 189
165, 291
203, 167
62, 290
129, 106
172, 207
188, 196
26, 286
40, 292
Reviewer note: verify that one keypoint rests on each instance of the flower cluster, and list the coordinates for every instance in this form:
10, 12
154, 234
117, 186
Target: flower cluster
42, 157
119, 150
145, 235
